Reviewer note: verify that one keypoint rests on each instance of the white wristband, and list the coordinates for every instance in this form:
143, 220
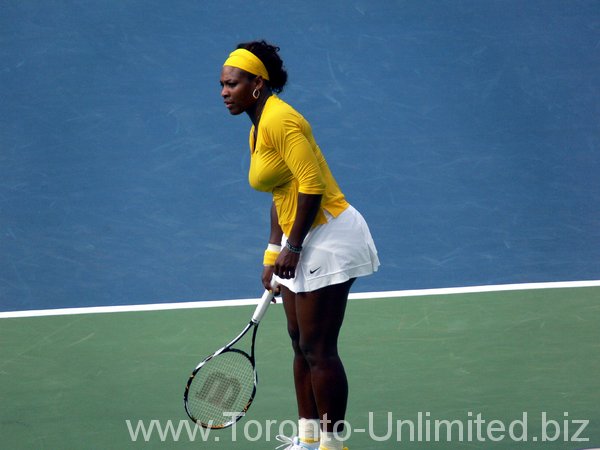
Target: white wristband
274, 248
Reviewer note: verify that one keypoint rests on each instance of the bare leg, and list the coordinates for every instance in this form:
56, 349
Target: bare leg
314, 322
307, 406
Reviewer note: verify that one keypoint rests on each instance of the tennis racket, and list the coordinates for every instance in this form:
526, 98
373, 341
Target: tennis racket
222, 387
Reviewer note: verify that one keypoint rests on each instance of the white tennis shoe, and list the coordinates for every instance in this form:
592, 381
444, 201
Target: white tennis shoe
294, 444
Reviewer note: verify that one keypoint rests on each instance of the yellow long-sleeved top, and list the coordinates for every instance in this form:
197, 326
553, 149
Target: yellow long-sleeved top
286, 160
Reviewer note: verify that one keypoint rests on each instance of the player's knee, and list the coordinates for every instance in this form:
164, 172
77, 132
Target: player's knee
317, 354
308, 352
295, 338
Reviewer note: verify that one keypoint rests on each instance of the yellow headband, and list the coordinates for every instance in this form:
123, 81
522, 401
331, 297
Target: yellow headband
248, 61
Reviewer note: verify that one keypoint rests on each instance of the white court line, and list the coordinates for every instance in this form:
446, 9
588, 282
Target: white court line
475, 289
253, 301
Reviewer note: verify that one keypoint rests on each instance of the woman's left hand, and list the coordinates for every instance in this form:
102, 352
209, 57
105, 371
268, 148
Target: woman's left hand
285, 266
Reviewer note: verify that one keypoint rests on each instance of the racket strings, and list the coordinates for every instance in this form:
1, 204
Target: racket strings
224, 385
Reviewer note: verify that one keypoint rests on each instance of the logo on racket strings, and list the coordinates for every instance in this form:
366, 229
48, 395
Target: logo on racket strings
220, 390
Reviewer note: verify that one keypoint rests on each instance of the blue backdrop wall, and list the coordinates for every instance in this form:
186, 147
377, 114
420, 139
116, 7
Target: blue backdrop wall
466, 132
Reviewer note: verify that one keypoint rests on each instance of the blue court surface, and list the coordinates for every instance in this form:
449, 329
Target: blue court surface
466, 132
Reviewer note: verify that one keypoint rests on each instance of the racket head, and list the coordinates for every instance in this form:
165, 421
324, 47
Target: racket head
221, 389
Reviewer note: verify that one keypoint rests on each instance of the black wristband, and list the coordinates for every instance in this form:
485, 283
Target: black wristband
291, 248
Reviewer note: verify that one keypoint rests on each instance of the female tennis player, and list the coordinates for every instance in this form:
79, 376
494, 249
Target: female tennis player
318, 243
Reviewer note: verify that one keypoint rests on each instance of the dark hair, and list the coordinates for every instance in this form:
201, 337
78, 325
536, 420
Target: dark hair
269, 56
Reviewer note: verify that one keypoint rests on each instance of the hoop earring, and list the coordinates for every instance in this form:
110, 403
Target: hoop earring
255, 93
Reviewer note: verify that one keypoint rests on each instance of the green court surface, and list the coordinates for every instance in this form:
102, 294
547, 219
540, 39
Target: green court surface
519, 367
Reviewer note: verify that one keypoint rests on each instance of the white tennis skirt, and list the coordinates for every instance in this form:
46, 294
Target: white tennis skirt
333, 253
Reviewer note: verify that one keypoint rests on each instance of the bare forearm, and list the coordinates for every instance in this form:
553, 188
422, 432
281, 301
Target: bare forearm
287, 261
308, 207
276, 232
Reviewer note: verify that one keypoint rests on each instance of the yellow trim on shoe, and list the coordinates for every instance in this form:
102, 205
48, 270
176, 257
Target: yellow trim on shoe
325, 448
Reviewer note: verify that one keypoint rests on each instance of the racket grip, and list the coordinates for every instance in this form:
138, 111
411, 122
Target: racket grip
262, 306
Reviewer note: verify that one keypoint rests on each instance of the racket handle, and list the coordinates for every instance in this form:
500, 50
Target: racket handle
262, 306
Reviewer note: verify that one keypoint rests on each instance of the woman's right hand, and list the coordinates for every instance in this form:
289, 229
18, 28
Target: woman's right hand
267, 280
